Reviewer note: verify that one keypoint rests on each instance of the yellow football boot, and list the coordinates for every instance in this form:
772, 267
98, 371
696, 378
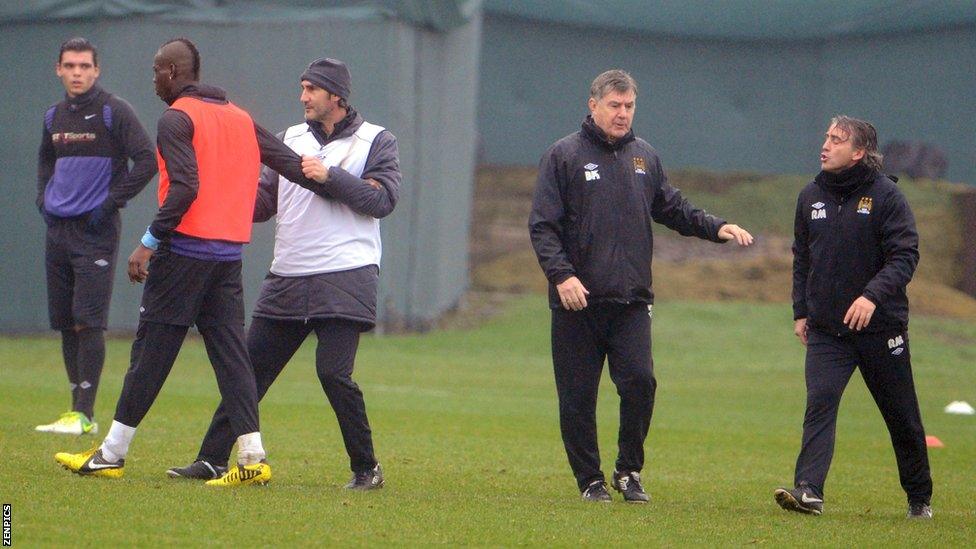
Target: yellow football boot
90, 463
242, 475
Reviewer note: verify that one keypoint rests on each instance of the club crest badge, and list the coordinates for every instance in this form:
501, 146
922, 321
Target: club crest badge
640, 166
864, 205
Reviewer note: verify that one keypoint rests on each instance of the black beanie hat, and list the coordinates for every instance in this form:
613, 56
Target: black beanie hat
330, 75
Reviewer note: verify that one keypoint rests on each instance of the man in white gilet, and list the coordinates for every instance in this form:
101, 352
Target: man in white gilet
325, 270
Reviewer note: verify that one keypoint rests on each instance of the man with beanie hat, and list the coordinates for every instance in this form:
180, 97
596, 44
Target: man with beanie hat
329, 74
325, 270
855, 250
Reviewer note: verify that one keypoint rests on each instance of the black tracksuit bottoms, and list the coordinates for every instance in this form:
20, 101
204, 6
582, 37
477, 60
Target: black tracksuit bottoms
181, 291
271, 344
885, 363
581, 341
80, 265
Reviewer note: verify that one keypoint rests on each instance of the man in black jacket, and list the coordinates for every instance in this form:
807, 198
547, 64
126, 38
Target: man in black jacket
83, 179
597, 193
855, 250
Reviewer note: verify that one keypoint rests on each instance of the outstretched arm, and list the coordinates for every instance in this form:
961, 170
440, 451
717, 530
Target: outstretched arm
675, 212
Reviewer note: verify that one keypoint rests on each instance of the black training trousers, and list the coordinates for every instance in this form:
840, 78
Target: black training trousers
179, 291
271, 344
80, 266
885, 363
581, 341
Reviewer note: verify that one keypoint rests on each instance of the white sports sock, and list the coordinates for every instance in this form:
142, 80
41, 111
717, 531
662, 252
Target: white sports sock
116, 443
249, 448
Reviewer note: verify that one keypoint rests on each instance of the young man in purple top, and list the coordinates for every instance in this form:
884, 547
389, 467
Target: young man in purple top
83, 178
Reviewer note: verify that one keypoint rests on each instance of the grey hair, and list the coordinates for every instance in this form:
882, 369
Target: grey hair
616, 80
863, 136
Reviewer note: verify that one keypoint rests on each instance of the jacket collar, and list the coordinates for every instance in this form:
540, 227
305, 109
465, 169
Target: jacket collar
593, 132
203, 91
81, 101
845, 182
344, 128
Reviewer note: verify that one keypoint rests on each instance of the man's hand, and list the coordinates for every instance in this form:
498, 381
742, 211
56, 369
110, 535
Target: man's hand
800, 329
313, 168
572, 294
859, 315
735, 232
100, 215
139, 264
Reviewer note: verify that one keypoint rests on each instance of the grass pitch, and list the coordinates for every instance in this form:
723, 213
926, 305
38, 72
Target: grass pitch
465, 425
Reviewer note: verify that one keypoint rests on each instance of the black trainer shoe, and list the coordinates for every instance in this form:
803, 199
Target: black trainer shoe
800, 500
597, 491
629, 485
919, 510
370, 480
199, 470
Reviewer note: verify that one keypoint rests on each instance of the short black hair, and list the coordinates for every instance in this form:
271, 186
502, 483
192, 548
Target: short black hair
193, 51
78, 44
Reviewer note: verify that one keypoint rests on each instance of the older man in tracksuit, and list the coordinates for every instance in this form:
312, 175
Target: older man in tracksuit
855, 250
597, 194
325, 270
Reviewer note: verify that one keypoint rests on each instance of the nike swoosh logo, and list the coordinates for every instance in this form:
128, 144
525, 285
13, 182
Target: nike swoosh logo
805, 499
89, 117
94, 465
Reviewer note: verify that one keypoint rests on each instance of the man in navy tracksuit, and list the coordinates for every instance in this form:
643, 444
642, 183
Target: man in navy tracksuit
855, 250
597, 193
83, 178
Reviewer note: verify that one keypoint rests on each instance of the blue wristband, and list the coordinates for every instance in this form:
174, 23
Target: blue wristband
150, 241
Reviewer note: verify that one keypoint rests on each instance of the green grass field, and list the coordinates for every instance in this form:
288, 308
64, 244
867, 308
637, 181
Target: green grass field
465, 426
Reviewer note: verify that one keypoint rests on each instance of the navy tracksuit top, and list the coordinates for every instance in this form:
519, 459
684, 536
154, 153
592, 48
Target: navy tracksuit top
853, 241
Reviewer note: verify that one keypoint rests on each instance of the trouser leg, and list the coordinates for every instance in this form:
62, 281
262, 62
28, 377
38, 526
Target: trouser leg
577, 358
69, 351
90, 361
632, 371
830, 361
335, 357
153, 353
93, 257
889, 378
235, 377
270, 345
60, 278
